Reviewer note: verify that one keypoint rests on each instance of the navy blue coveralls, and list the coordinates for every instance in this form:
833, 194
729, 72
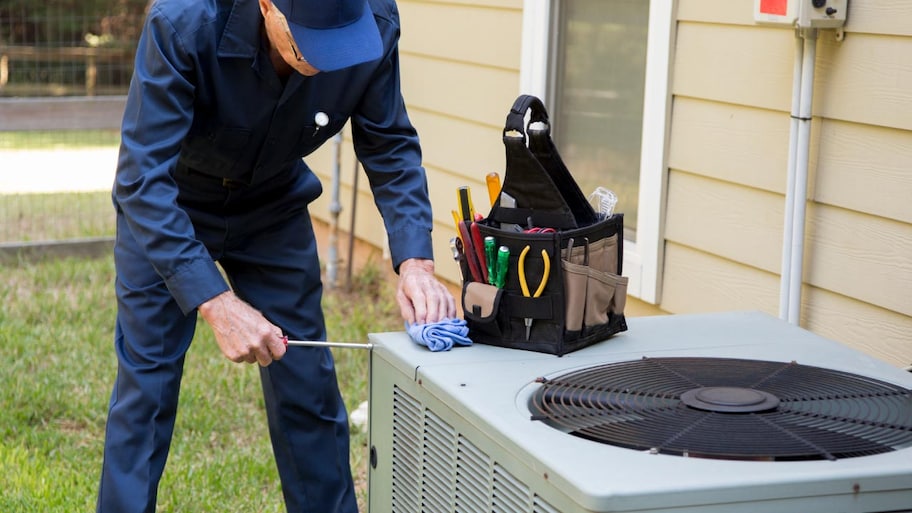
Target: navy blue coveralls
210, 170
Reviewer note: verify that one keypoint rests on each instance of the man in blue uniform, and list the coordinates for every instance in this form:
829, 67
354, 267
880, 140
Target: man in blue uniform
227, 97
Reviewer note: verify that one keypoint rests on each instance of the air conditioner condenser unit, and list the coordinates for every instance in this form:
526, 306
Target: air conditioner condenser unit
728, 412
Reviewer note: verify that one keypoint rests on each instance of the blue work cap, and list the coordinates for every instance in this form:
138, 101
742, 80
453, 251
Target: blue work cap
333, 34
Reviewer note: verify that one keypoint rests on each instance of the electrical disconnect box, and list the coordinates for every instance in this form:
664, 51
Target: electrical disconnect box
821, 14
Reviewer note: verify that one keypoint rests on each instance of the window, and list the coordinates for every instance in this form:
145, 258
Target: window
603, 72
599, 68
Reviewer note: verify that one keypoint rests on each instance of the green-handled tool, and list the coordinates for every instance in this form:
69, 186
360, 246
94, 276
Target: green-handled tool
490, 248
503, 261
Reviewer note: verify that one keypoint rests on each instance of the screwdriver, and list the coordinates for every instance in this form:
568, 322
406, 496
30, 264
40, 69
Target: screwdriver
464, 199
493, 183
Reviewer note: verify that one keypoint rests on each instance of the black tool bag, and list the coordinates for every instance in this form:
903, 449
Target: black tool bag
582, 301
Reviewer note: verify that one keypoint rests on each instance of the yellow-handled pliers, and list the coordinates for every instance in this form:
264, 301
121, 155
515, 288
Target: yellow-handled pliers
546, 258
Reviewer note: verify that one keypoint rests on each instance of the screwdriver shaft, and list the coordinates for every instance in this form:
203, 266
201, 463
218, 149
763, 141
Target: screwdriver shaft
322, 343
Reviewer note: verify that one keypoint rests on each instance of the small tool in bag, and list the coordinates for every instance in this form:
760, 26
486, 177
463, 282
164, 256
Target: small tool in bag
543, 271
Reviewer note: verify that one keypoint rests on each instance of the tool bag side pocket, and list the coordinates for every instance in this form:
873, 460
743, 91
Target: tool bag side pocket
596, 257
576, 278
604, 255
481, 306
600, 291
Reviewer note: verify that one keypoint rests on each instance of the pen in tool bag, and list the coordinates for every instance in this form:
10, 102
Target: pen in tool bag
524, 284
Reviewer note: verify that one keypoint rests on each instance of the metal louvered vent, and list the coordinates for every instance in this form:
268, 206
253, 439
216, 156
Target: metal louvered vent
728, 409
406, 461
435, 468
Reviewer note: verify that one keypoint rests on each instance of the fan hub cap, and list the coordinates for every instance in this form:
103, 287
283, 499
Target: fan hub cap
729, 399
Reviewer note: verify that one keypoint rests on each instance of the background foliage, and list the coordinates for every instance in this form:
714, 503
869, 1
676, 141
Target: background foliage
66, 22
55, 48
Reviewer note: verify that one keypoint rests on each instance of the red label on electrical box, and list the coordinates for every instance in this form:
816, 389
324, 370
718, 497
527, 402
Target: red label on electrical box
777, 7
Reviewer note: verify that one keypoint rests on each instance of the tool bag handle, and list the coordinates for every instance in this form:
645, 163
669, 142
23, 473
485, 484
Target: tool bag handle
536, 176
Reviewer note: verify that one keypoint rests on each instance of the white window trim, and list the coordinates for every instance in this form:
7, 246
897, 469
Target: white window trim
643, 260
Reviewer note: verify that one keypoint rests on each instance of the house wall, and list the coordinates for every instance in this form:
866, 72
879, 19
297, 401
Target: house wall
728, 162
731, 88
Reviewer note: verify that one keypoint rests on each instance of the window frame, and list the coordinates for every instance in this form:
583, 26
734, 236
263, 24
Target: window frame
643, 259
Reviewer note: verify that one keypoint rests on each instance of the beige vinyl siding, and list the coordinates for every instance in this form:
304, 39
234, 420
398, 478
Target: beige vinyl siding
734, 222
865, 79
705, 282
879, 17
733, 286
732, 84
868, 169
720, 140
869, 328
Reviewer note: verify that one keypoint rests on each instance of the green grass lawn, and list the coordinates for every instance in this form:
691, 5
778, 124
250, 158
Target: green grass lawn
55, 216
56, 328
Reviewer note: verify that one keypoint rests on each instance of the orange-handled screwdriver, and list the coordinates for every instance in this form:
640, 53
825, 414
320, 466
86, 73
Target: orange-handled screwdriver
493, 183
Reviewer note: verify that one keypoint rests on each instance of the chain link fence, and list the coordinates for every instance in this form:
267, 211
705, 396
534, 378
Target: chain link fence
65, 66
68, 47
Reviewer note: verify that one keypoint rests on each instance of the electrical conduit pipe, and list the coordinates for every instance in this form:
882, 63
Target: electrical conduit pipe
796, 186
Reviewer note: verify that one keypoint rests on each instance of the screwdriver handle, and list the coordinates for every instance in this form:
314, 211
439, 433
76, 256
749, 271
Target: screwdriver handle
493, 183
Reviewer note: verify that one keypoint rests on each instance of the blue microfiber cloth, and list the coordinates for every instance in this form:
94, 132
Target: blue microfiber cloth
440, 336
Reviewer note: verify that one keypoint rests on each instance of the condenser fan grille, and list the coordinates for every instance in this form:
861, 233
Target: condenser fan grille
728, 408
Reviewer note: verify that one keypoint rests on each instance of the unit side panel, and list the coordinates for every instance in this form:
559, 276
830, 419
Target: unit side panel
440, 461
